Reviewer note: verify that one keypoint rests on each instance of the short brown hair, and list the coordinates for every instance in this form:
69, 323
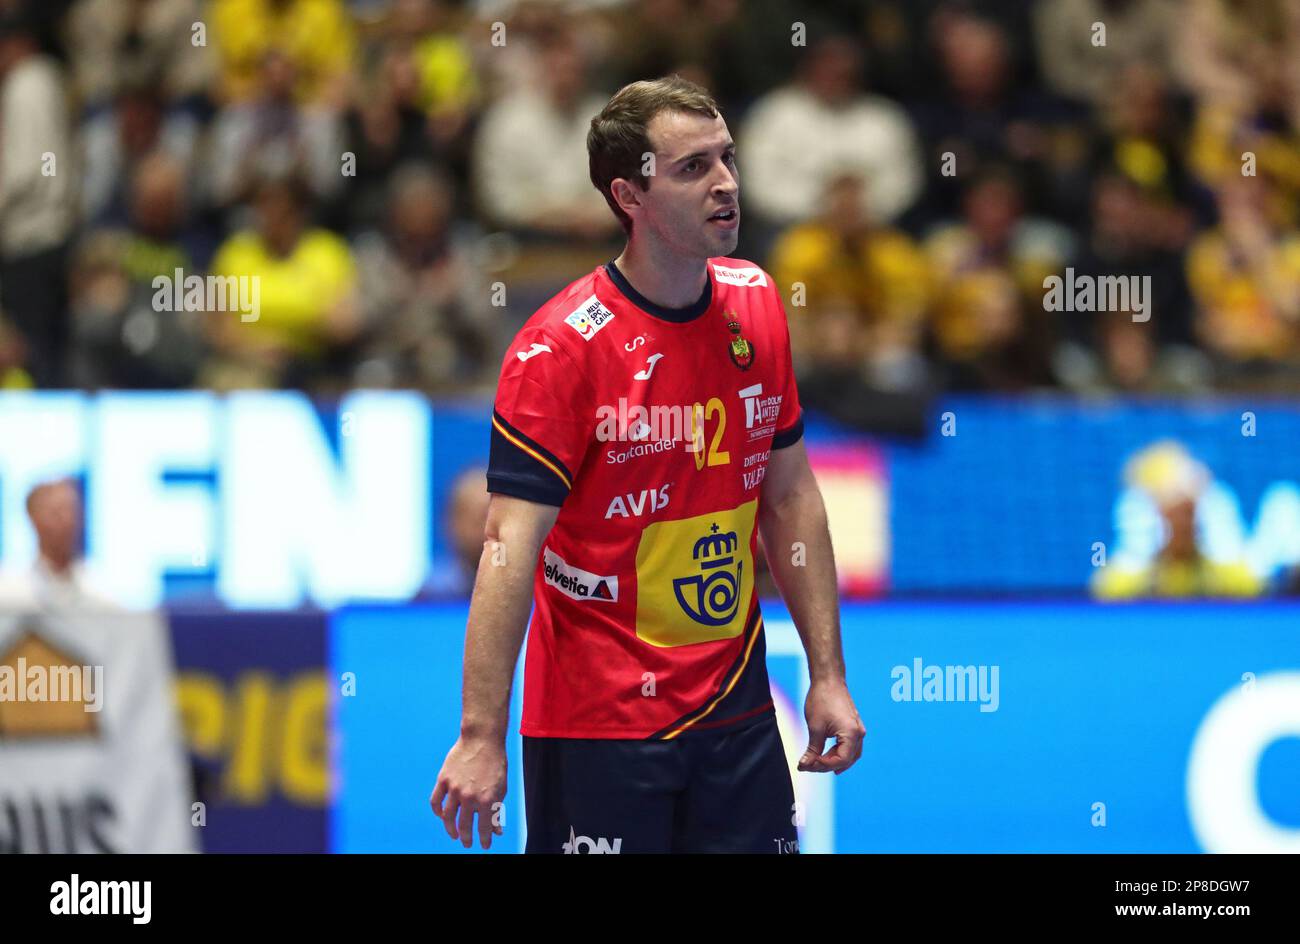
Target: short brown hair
619, 138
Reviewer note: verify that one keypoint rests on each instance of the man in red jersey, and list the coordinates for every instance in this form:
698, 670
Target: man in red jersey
646, 427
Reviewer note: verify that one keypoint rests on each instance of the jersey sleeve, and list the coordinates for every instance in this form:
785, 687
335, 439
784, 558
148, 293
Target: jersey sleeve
542, 421
789, 424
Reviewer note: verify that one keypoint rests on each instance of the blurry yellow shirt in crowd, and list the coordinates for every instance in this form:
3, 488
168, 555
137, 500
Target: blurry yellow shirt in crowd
1243, 321
315, 34
1142, 162
887, 277
447, 80
15, 378
973, 292
1217, 149
297, 291
1176, 580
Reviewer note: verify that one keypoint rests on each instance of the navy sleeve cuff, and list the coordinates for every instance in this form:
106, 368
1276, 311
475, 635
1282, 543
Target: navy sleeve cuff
522, 467
528, 489
788, 437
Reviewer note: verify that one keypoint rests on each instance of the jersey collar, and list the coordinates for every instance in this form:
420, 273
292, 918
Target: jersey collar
679, 315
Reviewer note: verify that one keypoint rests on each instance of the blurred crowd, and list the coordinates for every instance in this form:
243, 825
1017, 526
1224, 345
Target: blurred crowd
408, 180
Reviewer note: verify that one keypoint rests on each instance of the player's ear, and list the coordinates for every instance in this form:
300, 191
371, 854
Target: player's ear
626, 194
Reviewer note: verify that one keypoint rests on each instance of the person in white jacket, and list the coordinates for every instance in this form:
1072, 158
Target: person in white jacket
822, 125
58, 578
37, 196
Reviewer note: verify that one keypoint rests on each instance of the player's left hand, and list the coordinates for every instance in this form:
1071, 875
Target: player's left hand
829, 712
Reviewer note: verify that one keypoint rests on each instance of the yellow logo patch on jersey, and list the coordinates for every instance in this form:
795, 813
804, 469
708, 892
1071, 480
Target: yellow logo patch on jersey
695, 577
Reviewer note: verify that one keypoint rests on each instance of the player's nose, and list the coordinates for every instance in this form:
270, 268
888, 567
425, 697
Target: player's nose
726, 184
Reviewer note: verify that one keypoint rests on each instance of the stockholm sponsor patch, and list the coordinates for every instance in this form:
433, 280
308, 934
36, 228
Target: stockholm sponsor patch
575, 582
589, 317
751, 276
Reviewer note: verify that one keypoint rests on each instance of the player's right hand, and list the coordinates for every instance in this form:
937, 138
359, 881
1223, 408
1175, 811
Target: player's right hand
472, 781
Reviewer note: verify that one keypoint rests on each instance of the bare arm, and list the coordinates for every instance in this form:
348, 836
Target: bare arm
792, 521
792, 514
498, 611
473, 777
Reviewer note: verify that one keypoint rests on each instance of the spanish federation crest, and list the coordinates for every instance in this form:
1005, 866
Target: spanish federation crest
740, 348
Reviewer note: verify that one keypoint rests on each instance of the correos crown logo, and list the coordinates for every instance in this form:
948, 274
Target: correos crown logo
700, 567
712, 596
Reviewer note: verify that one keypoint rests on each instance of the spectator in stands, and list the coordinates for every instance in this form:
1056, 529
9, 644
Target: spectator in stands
163, 232
981, 116
316, 36
58, 579
306, 281
1128, 353
1239, 60
660, 37
843, 377
1254, 131
37, 202
13, 354
463, 521
657, 35
1134, 233
122, 338
272, 135
386, 128
799, 136
427, 321
1227, 52
530, 154
1074, 62
1143, 139
1118, 355
519, 63
990, 327
843, 262
468, 515
1245, 280
1175, 482
114, 45
418, 103
116, 139
447, 88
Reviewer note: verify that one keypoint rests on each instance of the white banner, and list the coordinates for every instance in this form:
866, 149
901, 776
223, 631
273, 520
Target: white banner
91, 753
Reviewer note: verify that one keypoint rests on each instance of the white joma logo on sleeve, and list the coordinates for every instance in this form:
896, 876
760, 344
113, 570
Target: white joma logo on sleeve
533, 351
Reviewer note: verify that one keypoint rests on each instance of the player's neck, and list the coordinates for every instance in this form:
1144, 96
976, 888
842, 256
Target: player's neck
665, 278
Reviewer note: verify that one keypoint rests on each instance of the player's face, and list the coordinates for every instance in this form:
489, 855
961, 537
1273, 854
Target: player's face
56, 516
695, 181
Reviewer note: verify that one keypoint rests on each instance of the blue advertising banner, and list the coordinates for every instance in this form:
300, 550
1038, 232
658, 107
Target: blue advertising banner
394, 732
1013, 496
255, 707
1073, 727
267, 500
1062, 727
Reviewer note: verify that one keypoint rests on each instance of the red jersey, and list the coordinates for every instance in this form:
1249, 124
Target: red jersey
651, 429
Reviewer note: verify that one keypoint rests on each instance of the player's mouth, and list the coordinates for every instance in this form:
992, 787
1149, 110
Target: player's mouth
726, 219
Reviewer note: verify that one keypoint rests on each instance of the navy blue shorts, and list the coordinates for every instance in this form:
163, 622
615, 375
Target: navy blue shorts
726, 791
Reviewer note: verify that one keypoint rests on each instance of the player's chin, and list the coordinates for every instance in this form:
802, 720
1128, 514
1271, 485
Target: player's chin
723, 242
